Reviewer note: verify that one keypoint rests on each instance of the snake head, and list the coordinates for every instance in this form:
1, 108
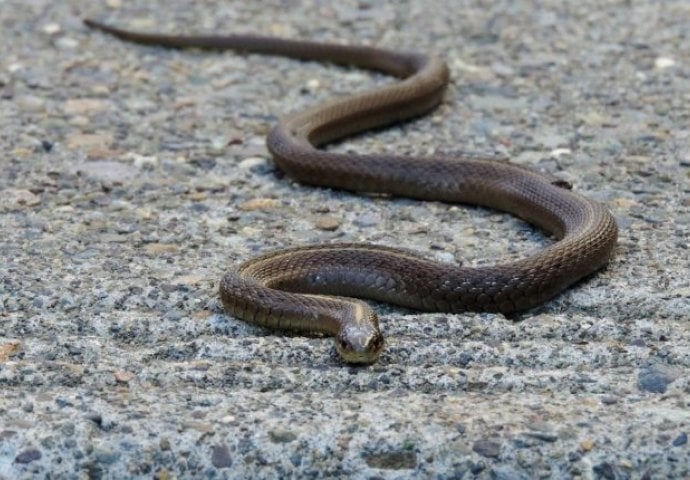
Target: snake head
360, 344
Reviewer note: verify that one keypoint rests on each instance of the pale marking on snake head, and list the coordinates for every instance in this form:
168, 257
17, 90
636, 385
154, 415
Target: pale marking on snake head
360, 341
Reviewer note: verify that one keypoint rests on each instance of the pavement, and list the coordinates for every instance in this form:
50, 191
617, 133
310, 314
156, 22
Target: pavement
133, 177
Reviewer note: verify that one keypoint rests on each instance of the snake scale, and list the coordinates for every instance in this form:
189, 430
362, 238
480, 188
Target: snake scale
310, 289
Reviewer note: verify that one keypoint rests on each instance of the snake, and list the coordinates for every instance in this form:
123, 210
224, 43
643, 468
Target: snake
320, 289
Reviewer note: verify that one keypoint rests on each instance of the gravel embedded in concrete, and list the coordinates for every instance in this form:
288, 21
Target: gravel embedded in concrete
134, 176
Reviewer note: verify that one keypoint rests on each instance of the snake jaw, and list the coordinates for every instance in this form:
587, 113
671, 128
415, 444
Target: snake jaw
359, 345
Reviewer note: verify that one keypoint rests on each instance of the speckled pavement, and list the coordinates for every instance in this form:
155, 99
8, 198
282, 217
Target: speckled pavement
133, 177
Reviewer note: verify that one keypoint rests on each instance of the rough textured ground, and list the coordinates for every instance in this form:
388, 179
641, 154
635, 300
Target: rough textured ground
132, 177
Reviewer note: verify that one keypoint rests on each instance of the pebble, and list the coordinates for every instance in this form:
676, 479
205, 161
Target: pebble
328, 224
259, 204
105, 456
487, 448
654, 379
606, 471
664, 62
680, 440
586, 445
88, 140
123, 377
282, 436
395, 460
28, 456
545, 437
51, 28
220, 457
254, 164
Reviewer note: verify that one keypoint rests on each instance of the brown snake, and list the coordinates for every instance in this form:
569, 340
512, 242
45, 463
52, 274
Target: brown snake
307, 289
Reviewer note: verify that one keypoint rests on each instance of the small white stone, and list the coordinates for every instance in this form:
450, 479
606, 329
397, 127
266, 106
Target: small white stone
664, 62
559, 152
51, 28
251, 162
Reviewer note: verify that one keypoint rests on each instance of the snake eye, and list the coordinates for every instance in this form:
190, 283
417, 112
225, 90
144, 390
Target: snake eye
377, 342
343, 344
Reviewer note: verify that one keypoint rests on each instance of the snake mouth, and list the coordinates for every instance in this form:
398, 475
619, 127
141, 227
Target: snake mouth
362, 348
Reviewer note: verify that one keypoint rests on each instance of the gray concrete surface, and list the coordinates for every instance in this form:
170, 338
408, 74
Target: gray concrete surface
132, 177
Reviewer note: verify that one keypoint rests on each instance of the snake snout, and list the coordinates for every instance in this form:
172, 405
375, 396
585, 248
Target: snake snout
359, 346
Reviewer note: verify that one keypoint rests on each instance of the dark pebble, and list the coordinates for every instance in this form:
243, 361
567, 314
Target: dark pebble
544, 437
28, 456
107, 457
93, 471
519, 443
95, 418
392, 460
62, 403
282, 436
464, 359
606, 470
221, 457
681, 439
46, 145
652, 380
476, 468
487, 448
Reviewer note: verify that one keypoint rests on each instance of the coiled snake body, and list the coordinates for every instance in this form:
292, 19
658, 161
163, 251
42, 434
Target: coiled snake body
309, 289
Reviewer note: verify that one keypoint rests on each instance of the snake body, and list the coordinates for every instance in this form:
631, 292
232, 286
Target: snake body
310, 289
